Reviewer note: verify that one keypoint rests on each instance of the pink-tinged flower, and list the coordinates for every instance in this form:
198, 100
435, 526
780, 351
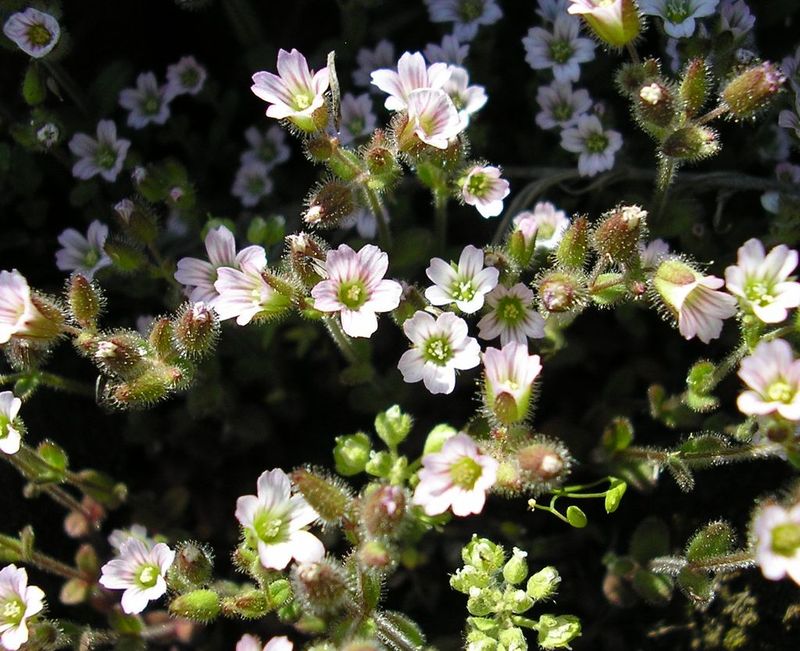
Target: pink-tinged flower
10, 437
34, 32
186, 77
83, 254
773, 377
244, 294
295, 92
465, 284
679, 15
439, 347
457, 478
119, 537
511, 315
450, 51
356, 288
147, 103
777, 536
561, 105
653, 253
268, 147
19, 314
357, 118
382, 56
466, 15
614, 21
561, 50
198, 276
735, 17
433, 118
104, 156
467, 99
252, 183
509, 377
762, 282
412, 74
596, 146
692, 298
545, 222
139, 571
275, 522
18, 603
483, 188
252, 643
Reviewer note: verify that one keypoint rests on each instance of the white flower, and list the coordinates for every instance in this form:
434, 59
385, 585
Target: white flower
295, 92
546, 223
510, 373
466, 15
439, 347
562, 50
19, 316
357, 118
18, 602
48, 134
652, 254
356, 288
198, 276
561, 106
268, 147
252, 183
382, 56
433, 117
139, 571
34, 32
186, 77
549, 10
104, 156
449, 51
83, 254
762, 281
512, 316
679, 15
464, 284
275, 522
777, 536
595, 145
119, 537
467, 99
244, 294
735, 17
147, 103
483, 188
252, 643
10, 437
457, 478
412, 74
773, 376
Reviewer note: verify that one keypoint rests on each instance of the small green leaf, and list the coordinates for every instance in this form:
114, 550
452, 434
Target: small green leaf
577, 518
655, 589
697, 586
651, 539
614, 494
618, 434
715, 539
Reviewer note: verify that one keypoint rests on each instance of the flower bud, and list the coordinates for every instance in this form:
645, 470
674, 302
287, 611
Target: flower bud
573, 247
616, 238
154, 384
327, 495
691, 143
483, 601
411, 301
351, 453
122, 353
557, 631
196, 330
383, 508
250, 604
543, 463
139, 222
752, 90
85, 301
544, 584
375, 555
319, 147
561, 292
483, 554
322, 586
655, 106
693, 90
516, 569
198, 605
512, 638
160, 338
329, 204
192, 565
124, 255
307, 257
632, 76
517, 601
393, 426
381, 162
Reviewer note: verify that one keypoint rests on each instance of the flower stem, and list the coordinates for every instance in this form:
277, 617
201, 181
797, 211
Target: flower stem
64, 384
341, 340
440, 217
65, 80
713, 114
384, 234
632, 52
39, 559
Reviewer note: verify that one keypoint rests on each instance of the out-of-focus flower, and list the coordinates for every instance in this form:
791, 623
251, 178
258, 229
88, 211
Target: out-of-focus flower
791, 68
48, 134
244, 294
653, 253
356, 288
382, 56
595, 146
679, 15
104, 155
198, 276
252, 643
549, 10
457, 478
358, 120
18, 603
268, 147
483, 188
562, 50
510, 373
511, 315
762, 281
736, 18
275, 522
412, 74
450, 51
439, 347
773, 376
83, 254
466, 15
139, 571
252, 183
34, 32
465, 284
186, 77
545, 222
561, 105
790, 119
118, 537
147, 103
10, 437
777, 534
433, 117
364, 221
467, 99
19, 314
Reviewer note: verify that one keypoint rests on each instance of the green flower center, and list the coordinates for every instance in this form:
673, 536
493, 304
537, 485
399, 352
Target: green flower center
13, 611
268, 527
105, 157
353, 294
463, 290
465, 472
676, 11
545, 230
596, 143
438, 350
786, 539
758, 292
151, 105
510, 310
561, 51
148, 576
255, 185
302, 100
780, 391
356, 126
267, 152
563, 111
470, 10
478, 184
5, 421
39, 35
91, 258
189, 78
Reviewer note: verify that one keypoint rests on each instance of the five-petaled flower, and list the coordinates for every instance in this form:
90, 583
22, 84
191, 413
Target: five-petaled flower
140, 571
18, 603
483, 188
777, 540
464, 284
104, 155
83, 254
511, 315
34, 32
772, 375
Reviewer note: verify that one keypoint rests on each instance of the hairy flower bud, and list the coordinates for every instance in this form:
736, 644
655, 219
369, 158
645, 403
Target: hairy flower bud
691, 143
381, 162
307, 257
483, 554
375, 555
319, 147
574, 245
192, 565
321, 587
752, 90
561, 292
161, 338
616, 238
516, 569
122, 353
198, 605
694, 87
544, 584
351, 453
196, 329
383, 508
655, 105
632, 76
331, 202
557, 631
543, 463
327, 495
393, 426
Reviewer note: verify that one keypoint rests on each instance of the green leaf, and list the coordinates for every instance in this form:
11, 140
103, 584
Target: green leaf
34, 90
618, 434
651, 539
399, 631
715, 539
697, 586
577, 518
54, 455
614, 494
655, 589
